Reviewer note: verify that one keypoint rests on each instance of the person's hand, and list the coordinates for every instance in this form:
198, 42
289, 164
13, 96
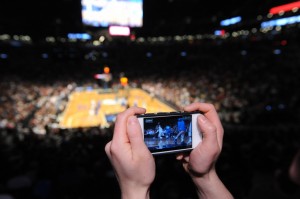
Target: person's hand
202, 158
294, 170
200, 163
133, 163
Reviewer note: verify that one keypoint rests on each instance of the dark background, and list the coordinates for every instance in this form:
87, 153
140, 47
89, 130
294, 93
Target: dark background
71, 163
161, 17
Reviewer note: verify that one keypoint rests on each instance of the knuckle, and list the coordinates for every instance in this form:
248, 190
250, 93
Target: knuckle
211, 106
211, 128
119, 116
113, 149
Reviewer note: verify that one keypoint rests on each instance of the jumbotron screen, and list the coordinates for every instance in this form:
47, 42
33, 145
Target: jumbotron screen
104, 13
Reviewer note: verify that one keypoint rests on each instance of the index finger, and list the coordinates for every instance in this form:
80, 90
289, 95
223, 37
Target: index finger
210, 112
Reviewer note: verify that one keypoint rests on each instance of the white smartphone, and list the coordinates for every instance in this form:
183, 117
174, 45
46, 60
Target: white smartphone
170, 132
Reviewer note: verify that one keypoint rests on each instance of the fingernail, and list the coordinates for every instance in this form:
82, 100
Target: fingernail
132, 120
202, 118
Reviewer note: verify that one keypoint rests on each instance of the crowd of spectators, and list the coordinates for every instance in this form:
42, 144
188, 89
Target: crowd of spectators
32, 106
253, 82
72, 164
247, 86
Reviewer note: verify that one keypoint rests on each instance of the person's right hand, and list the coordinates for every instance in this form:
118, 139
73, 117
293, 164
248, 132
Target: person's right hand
294, 170
200, 163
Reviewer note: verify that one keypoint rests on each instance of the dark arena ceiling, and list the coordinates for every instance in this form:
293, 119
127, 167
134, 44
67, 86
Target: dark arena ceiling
161, 17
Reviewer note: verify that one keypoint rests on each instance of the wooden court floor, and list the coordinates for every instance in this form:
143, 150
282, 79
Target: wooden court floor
98, 108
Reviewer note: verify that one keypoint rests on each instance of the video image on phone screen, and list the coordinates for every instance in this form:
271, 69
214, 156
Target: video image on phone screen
168, 133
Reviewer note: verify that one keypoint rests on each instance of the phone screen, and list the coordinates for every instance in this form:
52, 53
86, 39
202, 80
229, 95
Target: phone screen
168, 133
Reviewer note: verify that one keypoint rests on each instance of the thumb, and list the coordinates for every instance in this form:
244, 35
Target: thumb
135, 135
208, 130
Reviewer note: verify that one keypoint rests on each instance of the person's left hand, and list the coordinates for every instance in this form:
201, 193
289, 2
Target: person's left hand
133, 163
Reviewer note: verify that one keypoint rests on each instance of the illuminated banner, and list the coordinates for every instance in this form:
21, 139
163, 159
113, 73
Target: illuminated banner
285, 7
219, 32
281, 22
80, 36
119, 31
231, 21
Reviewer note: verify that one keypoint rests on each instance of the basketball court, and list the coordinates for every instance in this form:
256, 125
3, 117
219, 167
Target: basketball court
89, 108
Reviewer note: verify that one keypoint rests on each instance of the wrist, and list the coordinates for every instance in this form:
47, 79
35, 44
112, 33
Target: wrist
210, 186
135, 193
